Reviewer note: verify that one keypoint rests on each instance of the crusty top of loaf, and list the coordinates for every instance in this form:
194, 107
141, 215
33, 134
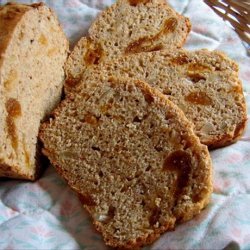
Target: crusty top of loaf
204, 84
10, 15
132, 156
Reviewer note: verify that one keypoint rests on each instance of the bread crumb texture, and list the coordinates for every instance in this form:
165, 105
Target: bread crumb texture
132, 157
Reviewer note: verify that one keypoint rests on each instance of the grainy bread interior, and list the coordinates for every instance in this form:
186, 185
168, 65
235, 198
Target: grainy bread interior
132, 156
33, 49
204, 84
128, 27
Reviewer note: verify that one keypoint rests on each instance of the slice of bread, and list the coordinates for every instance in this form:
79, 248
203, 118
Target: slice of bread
204, 84
132, 156
128, 27
33, 50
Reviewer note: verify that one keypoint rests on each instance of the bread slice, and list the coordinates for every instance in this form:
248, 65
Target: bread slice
204, 84
128, 27
33, 50
132, 156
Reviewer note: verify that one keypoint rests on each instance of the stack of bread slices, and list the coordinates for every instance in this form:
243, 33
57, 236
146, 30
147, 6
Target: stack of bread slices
131, 136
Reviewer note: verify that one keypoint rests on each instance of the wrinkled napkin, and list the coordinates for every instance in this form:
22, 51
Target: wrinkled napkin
46, 214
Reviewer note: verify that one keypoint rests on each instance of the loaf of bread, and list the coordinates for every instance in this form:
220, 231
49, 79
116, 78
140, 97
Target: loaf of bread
204, 84
33, 50
128, 27
132, 156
